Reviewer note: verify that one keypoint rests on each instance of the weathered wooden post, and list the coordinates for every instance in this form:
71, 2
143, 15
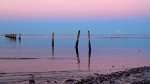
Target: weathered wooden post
19, 37
11, 36
52, 44
76, 47
77, 41
52, 39
89, 44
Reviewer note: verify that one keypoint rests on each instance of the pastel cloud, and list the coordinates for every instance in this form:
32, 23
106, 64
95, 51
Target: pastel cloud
74, 8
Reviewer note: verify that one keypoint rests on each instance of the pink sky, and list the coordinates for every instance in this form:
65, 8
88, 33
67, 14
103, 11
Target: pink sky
74, 8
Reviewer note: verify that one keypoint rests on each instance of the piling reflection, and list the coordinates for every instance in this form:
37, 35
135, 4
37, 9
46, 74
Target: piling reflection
78, 58
12, 39
20, 45
12, 42
19, 38
89, 57
53, 52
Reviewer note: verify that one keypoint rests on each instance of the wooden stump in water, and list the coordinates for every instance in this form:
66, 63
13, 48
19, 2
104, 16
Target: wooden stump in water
52, 39
19, 37
77, 41
89, 45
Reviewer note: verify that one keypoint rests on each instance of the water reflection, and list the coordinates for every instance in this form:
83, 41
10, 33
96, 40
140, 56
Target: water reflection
19, 38
78, 58
89, 57
53, 52
12, 42
122, 52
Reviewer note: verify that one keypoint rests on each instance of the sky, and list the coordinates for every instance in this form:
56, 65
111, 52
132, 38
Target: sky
68, 16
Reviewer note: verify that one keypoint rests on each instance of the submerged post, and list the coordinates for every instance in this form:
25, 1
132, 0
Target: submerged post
77, 41
52, 39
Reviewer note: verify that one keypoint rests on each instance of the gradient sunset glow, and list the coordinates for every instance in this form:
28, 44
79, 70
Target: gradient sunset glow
67, 16
74, 9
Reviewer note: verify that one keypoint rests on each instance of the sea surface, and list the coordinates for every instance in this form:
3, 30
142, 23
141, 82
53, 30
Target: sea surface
35, 53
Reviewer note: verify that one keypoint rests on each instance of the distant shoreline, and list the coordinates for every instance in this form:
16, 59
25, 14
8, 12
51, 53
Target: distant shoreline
94, 36
123, 37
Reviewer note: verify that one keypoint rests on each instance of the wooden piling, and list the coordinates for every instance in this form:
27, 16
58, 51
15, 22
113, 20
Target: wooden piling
89, 42
89, 45
89, 35
11, 36
77, 41
52, 39
19, 37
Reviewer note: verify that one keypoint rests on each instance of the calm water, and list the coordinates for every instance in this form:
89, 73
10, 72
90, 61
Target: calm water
35, 54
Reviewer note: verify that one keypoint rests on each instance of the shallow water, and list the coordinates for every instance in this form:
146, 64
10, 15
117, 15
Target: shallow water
35, 54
